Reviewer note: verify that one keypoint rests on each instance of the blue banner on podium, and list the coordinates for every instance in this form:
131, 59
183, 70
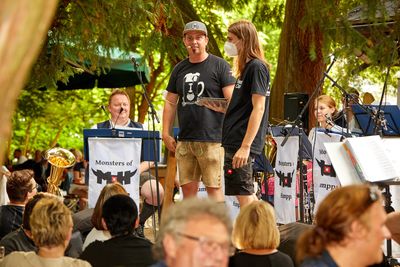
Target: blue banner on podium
149, 152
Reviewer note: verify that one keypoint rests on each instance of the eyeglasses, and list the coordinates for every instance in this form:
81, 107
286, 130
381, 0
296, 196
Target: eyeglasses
36, 186
208, 245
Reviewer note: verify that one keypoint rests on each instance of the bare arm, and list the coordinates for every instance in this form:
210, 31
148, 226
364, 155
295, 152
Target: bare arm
169, 112
242, 155
145, 165
227, 91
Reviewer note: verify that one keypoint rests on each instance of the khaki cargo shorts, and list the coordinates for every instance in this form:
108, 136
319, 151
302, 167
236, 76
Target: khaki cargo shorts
200, 161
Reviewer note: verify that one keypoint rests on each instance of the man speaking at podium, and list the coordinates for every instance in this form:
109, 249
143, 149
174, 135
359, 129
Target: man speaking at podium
119, 106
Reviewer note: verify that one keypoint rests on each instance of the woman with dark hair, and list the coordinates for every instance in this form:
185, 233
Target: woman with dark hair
349, 230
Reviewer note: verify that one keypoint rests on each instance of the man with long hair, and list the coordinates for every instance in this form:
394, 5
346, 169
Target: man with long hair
246, 119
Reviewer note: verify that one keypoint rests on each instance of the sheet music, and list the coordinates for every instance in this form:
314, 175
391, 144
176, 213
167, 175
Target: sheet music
371, 155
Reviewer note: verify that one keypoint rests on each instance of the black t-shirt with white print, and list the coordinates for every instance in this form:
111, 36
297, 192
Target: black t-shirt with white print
193, 80
255, 80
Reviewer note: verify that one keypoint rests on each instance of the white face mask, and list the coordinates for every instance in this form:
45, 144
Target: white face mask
230, 49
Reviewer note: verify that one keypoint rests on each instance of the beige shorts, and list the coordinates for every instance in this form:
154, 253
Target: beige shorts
200, 161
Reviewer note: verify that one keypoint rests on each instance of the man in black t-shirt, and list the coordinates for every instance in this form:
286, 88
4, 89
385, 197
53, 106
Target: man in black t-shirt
198, 151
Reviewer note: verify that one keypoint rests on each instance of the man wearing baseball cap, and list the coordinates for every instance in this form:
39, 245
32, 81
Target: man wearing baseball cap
198, 151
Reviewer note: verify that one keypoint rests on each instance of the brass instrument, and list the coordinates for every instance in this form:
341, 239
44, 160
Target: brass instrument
59, 159
270, 149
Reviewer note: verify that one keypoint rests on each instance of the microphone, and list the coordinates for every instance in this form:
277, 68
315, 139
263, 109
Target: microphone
104, 109
329, 120
120, 111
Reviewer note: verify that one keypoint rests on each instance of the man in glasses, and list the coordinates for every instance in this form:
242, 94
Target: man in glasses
198, 151
195, 232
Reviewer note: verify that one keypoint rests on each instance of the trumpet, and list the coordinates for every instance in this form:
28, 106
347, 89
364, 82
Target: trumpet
59, 159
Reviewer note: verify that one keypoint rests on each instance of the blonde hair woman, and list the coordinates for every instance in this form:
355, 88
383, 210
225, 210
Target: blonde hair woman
256, 236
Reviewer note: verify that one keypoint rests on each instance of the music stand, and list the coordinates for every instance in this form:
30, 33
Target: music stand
367, 124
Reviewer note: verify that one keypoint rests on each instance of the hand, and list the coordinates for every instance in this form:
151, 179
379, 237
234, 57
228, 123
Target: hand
218, 107
240, 158
170, 143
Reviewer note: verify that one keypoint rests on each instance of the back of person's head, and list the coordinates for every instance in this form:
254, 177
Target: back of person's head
255, 227
120, 214
29, 208
51, 223
19, 184
334, 218
107, 191
190, 209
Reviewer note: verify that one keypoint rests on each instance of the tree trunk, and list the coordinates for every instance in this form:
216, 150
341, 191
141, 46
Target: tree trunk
296, 71
151, 86
57, 136
23, 28
27, 146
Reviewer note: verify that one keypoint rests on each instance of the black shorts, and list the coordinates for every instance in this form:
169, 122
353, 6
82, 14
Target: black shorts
238, 181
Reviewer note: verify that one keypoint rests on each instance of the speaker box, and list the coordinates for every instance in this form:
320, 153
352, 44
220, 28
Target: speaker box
293, 104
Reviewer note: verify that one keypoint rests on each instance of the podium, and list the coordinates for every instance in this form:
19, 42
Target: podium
149, 152
114, 156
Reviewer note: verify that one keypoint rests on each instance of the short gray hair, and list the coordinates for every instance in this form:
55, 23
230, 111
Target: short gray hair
188, 209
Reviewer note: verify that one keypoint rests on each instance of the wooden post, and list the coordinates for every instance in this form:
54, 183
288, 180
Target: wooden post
169, 183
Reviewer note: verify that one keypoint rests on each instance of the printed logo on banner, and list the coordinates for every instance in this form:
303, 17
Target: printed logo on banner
120, 177
324, 175
285, 180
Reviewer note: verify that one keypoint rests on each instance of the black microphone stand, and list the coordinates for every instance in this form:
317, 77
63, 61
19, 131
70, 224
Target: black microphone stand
303, 174
354, 99
154, 118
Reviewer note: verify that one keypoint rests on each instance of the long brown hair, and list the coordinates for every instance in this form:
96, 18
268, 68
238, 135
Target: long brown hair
108, 191
334, 217
245, 31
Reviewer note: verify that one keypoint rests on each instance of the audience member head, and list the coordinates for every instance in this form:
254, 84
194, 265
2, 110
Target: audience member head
51, 223
255, 227
195, 231
350, 219
324, 106
17, 153
21, 186
77, 153
107, 191
120, 215
243, 35
29, 207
